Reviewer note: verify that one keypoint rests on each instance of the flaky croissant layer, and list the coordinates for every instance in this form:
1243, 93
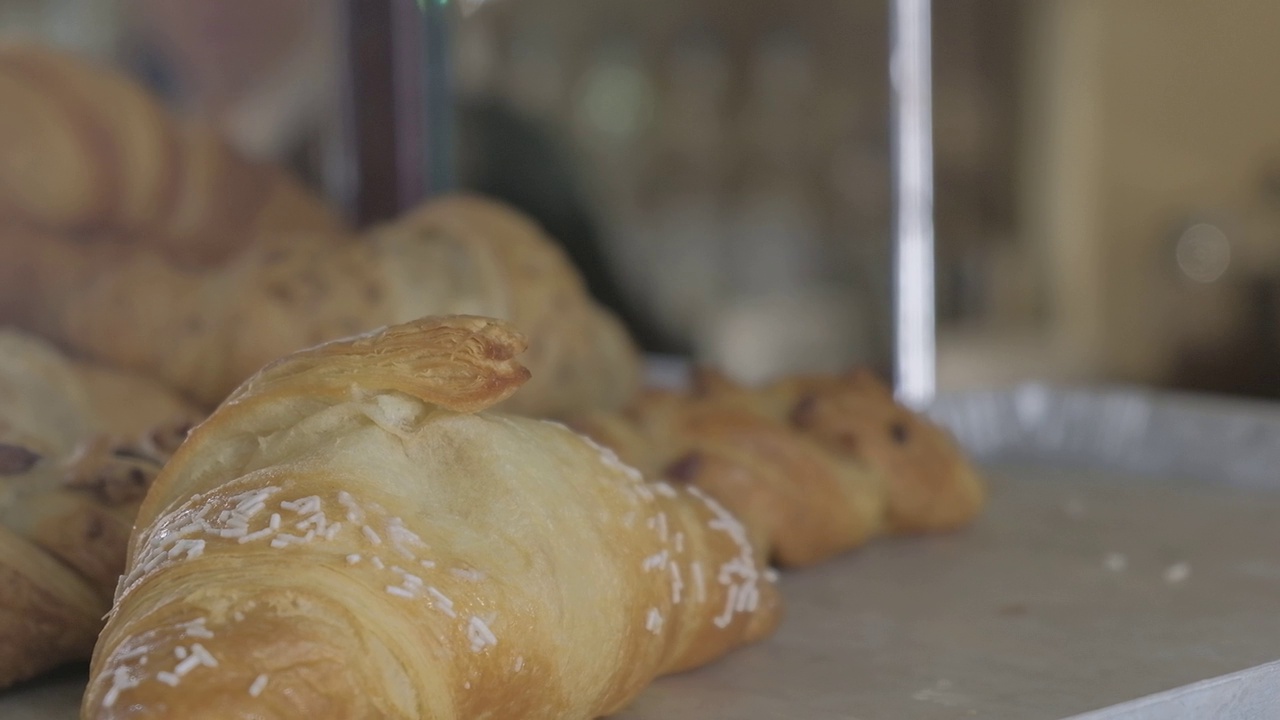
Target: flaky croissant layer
351, 536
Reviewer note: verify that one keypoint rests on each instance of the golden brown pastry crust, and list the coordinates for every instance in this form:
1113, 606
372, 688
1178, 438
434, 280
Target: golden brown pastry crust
931, 485
204, 331
83, 149
144, 243
351, 535
78, 446
48, 614
814, 465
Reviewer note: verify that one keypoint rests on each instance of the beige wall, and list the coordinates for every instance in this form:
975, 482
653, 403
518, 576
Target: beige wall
1143, 111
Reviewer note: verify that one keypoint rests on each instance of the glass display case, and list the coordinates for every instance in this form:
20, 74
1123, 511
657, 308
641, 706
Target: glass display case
735, 161
721, 172
962, 195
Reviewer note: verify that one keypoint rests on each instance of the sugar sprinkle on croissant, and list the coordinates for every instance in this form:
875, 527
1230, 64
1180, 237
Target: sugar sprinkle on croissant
477, 564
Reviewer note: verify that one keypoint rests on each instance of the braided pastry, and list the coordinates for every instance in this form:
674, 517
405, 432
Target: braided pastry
767, 453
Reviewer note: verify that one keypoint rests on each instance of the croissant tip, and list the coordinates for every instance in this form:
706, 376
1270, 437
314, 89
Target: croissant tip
464, 363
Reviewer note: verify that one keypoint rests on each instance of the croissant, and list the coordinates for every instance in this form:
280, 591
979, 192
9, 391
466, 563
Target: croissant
83, 149
765, 453
355, 534
204, 331
78, 445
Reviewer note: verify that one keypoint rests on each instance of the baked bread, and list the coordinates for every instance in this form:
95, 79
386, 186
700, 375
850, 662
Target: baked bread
78, 447
144, 242
354, 534
766, 453
203, 331
86, 150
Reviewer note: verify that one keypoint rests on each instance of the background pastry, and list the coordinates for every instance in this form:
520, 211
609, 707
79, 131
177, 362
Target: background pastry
144, 242
78, 447
203, 331
85, 150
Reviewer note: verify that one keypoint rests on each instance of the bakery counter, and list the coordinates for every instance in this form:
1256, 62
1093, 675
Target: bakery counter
1076, 591
1106, 580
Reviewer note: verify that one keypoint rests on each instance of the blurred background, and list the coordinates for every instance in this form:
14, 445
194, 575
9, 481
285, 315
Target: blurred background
1107, 171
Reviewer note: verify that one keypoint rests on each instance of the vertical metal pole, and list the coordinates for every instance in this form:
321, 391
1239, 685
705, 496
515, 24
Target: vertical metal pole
910, 79
438, 95
424, 100
369, 155
409, 100
400, 109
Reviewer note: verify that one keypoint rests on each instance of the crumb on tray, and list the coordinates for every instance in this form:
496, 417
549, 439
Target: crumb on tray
1176, 573
1115, 562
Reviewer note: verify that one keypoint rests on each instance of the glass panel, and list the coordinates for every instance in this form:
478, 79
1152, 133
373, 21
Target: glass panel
729, 160
1105, 183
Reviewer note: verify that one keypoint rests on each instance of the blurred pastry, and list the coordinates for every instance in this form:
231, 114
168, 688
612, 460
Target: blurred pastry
84, 150
203, 331
79, 446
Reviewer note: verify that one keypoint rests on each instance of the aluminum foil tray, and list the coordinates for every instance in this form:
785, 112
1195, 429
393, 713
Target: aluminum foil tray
1220, 442
1127, 568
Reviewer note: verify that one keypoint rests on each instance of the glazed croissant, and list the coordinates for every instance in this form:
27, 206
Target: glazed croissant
78, 446
767, 453
83, 149
204, 331
351, 535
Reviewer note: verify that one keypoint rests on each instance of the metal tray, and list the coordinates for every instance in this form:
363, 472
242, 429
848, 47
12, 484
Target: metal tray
1128, 568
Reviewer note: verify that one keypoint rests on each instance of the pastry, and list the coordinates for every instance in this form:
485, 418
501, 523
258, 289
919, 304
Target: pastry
767, 453
203, 331
86, 150
355, 534
78, 446
141, 241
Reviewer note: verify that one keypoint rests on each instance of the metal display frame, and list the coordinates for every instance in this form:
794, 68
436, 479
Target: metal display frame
400, 70
911, 130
